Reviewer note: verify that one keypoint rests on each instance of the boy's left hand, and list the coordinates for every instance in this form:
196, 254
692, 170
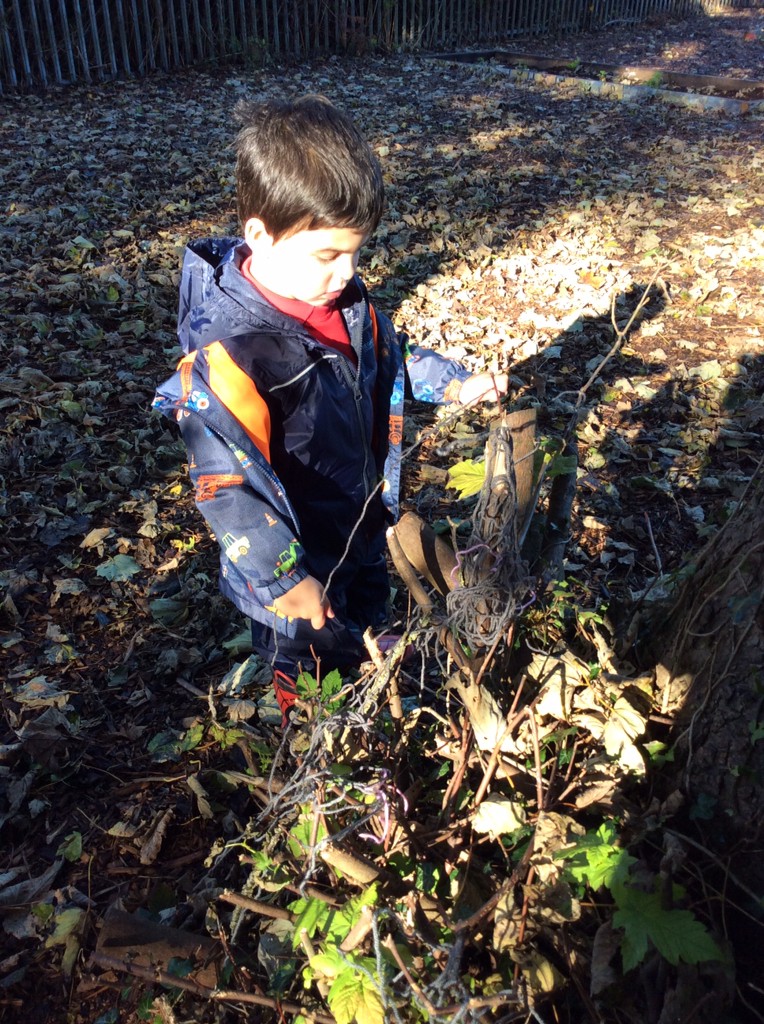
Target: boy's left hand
484, 387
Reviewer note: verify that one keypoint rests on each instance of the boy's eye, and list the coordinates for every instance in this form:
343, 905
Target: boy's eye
323, 258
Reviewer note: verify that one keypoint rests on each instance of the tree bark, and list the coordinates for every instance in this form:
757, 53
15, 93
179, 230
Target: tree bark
709, 656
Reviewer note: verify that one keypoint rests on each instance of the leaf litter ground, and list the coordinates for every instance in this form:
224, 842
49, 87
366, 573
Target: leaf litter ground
516, 217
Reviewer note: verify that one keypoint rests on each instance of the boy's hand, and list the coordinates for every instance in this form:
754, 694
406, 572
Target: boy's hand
483, 387
305, 600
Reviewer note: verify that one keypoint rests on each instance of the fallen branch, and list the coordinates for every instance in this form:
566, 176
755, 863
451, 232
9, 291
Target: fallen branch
217, 995
256, 906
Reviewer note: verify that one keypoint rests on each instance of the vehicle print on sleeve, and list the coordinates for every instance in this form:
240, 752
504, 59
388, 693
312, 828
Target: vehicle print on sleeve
235, 547
287, 560
208, 484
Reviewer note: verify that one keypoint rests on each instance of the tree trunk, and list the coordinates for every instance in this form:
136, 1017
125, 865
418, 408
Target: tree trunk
709, 654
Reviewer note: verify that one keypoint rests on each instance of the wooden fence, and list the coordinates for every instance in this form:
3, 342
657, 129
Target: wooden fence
59, 42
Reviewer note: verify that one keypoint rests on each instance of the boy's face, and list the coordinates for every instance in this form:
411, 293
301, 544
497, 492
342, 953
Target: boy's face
312, 266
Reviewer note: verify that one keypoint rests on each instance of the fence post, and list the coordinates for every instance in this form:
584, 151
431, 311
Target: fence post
171, 21
36, 38
96, 40
138, 41
12, 79
161, 34
233, 36
197, 32
53, 42
123, 38
149, 36
109, 32
210, 47
22, 42
220, 29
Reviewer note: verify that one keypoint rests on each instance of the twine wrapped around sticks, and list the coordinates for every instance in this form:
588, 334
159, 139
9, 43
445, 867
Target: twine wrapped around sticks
494, 578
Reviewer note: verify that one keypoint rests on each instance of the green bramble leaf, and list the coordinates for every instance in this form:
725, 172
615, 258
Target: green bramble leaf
192, 737
342, 920
312, 915
67, 933
68, 923
596, 860
331, 684
353, 997
304, 835
71, 848
165, 746
466, 477
179, 967
676, 934
226, 736
329, 964
307, 686
562, 465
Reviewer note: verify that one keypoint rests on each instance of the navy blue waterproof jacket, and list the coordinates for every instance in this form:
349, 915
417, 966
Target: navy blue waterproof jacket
290, 445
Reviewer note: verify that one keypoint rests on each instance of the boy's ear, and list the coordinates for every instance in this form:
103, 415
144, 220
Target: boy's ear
256, 234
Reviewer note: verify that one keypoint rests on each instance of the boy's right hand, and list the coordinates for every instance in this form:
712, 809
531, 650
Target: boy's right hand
306, 600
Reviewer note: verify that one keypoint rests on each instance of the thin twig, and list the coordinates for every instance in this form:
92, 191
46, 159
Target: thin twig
524, 912
445, 1011
621, 333
537, 759
507, 885
256, 906
216, 994
487, 659
658, 563
456, 779
756, 897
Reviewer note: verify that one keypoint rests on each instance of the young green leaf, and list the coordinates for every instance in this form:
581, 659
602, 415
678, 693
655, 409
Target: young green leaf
562, 465
67, 933
676, 934
353, 997
596, 860
312, 916
71, 848
467, 477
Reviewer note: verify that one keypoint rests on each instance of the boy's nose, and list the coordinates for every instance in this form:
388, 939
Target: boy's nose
344, 269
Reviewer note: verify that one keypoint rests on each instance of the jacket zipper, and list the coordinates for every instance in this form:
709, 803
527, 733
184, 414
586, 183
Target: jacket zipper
352, 381
302, 373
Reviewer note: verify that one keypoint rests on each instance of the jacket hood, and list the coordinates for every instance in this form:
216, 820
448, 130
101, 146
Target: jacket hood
217, 301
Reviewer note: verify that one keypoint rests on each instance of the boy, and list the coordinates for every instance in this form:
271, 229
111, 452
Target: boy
290, 396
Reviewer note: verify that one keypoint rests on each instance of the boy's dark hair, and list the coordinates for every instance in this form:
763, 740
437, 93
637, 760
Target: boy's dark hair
302, 165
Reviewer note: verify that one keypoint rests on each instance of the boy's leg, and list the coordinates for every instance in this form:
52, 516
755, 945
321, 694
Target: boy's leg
339, 644
368, 594
335, 646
